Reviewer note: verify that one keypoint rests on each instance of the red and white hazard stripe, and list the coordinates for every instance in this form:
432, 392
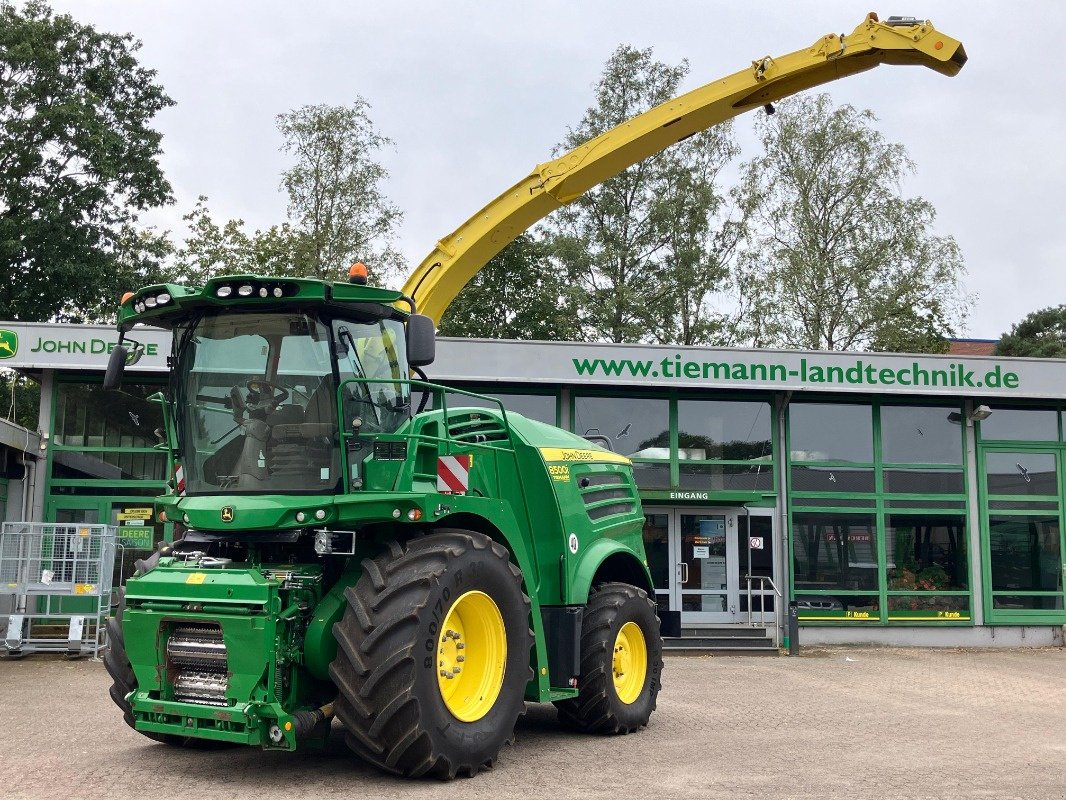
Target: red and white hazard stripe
179, 479
453, 474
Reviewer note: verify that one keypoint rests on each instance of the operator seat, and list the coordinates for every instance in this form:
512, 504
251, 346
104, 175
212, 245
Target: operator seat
302, 441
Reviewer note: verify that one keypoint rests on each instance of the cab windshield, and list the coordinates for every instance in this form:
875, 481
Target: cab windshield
256, 397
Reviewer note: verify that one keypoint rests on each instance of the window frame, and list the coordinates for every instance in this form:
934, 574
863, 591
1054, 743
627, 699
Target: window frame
877, 503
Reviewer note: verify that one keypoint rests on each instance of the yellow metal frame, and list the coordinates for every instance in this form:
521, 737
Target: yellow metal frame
458, 257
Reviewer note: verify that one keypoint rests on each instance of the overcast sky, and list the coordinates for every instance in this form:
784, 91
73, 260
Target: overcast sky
475, 94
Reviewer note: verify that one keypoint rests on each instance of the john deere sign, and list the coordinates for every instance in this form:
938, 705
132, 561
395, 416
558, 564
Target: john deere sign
9, 343
83, 347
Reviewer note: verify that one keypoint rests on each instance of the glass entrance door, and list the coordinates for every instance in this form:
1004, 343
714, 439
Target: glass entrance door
699, 560
707, 576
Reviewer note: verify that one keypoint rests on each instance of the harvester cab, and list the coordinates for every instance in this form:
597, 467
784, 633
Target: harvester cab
417, 575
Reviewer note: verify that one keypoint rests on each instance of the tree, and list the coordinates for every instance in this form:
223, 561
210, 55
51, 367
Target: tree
640, 249
79, 161
1041, 334
518, 295
337, 211
228, 249
20, 399
334, 189
838, 258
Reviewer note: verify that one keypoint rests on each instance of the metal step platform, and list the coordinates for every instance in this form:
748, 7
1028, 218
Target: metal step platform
731, 640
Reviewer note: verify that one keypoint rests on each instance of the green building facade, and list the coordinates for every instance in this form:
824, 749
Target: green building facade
895, 499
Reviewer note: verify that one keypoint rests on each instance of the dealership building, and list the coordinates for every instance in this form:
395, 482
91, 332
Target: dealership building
897, 499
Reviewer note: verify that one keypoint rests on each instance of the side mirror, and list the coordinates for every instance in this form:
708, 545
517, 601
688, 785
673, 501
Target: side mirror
421, 340
116, 364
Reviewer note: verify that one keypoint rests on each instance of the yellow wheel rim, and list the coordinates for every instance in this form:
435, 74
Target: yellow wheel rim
630, 662
471, 656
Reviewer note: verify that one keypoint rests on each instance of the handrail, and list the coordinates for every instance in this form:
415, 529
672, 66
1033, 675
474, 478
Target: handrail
763, 580
447, 439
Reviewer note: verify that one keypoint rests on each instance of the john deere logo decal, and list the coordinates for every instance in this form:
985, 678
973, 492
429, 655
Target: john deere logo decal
9, 343
227, 513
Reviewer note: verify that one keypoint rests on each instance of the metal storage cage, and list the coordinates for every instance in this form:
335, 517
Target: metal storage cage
57, 581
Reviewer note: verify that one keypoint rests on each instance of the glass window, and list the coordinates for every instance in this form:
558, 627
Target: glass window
845, 606
920, 435
1037, 602
1021, 424
375, 351
1021, 473
109, 465
929, 607
830, 432
1024, 553
762, 558
834, 501
923, 481
88, 416
651, 475
257, 400
636, 426
540, 407
723, 429
832, 479
834, 551
946, 505
926, 553
727, 477
657, 548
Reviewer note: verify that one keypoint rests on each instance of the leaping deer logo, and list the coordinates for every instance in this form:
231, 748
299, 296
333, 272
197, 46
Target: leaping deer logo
9, 343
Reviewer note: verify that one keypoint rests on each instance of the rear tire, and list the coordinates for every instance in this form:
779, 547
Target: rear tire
397, 634
118, 666
609, 702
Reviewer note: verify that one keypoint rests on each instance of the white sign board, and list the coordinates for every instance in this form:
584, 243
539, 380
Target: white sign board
701, 552
86, 347
60, 346
755, 542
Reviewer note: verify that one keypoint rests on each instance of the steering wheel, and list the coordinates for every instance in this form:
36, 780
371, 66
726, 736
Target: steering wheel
263, 398
261, 385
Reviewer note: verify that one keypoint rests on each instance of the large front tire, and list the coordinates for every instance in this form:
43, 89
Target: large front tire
433, 655
621, 662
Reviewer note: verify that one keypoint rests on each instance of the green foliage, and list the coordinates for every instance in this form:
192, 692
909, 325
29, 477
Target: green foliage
337, 211
640, 250
838, 258
228, 249
78, 163
1041, 334
518, 295
334, 188
20, 399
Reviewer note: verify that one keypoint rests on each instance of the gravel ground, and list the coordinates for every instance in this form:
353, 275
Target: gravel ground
836, 723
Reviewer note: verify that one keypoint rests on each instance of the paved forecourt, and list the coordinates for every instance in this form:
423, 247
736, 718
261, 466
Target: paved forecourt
842, 723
